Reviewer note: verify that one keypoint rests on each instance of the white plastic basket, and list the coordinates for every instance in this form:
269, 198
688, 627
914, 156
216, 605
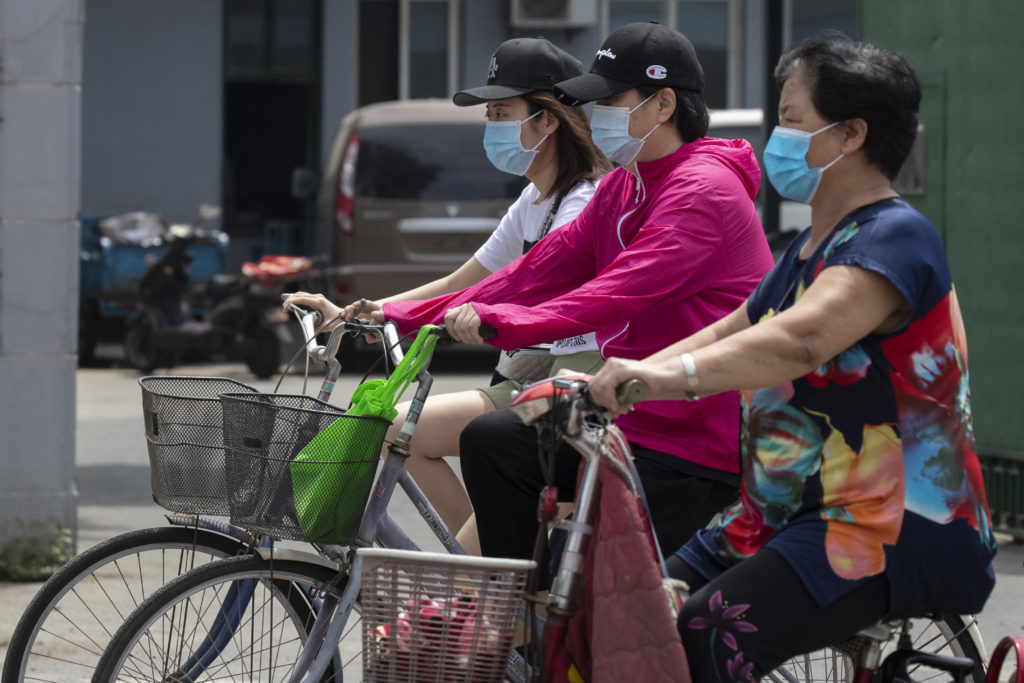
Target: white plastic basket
438, 617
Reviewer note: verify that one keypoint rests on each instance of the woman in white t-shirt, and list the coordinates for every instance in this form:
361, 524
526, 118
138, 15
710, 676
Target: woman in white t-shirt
528, 133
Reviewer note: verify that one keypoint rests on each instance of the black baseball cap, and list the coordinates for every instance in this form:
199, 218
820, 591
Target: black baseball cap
642, 53
519, 66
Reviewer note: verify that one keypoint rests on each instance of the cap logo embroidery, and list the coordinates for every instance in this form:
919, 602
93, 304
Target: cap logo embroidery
656, 71
493, 69
605, 52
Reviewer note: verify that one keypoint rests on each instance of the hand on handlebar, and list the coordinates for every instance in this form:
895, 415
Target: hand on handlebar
317, 302
464, 325
364, 309
615, 373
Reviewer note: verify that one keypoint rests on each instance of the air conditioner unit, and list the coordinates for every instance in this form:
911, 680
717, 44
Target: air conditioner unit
553, 13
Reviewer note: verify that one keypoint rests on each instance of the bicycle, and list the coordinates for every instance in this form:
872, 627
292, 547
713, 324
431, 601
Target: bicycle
903, 651
102, 585
110, 579
281, 577
278, 574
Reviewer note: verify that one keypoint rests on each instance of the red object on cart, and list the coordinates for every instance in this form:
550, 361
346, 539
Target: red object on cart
275, 267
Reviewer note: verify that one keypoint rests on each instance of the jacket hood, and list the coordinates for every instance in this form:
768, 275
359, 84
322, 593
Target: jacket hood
736, 155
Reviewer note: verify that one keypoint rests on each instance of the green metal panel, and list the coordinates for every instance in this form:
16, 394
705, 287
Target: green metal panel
971, 61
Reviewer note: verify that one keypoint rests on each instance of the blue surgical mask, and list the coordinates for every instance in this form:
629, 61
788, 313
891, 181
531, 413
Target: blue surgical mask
503, 143
609, 128
785, 162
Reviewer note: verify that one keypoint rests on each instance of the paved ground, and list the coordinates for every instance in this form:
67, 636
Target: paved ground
112, 475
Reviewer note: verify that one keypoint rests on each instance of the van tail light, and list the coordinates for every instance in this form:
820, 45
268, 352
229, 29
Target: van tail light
344, 198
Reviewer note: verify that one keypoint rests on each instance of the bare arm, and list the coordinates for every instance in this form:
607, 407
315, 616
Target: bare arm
841, 307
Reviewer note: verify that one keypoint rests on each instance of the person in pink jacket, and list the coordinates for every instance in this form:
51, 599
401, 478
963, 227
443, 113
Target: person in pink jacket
670, 243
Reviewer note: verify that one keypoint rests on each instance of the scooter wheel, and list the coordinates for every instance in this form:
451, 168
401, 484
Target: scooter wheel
262, 352
140, 347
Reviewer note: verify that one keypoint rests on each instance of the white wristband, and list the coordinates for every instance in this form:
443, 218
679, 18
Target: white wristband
690, 368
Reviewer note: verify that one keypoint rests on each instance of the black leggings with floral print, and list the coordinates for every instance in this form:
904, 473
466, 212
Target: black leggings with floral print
756, 615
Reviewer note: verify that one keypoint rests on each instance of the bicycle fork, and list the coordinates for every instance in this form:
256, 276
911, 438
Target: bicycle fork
564, 585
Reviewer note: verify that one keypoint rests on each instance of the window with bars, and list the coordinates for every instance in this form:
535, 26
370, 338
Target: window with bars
407, 49
720, 37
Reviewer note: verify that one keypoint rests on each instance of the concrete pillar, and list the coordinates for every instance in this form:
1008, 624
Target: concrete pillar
40, 95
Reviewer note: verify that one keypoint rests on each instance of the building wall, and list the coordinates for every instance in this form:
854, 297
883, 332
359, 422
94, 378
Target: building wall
969, 58
151, 106
40, 49
338, 68
485, 27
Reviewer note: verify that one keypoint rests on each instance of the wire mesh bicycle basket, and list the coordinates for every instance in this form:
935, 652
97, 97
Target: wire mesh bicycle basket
438, 617
185, 440
298, 468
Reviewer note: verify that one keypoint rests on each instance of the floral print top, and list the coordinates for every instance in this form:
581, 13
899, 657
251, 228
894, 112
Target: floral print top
868, 463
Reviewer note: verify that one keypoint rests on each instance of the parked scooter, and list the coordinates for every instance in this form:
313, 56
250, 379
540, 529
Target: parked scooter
177, 319
250, 304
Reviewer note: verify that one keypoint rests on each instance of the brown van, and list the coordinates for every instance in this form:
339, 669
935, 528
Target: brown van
408, 195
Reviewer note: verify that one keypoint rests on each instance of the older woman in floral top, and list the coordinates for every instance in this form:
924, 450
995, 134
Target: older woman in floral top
861, 494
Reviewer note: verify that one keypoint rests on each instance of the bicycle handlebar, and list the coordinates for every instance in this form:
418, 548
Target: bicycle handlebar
631, 391
310, 319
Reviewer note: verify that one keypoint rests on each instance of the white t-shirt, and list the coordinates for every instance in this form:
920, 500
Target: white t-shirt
522, 223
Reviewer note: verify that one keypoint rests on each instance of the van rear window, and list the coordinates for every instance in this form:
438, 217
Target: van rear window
443, 162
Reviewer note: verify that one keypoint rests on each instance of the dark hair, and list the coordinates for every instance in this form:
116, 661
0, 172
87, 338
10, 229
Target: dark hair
853, 80
691, 115
579, 158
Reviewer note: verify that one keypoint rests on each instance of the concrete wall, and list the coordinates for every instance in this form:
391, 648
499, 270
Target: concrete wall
151, 106
40, 93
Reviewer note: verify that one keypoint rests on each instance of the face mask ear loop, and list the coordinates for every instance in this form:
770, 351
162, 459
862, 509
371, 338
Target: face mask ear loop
644, 138
648, 100
539, 142
820, 130
832, 163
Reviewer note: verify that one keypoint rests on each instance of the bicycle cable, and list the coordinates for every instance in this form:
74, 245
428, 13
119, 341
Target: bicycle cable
302, 347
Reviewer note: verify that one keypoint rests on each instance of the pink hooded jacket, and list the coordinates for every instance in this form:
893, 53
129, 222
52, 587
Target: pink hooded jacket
648, 261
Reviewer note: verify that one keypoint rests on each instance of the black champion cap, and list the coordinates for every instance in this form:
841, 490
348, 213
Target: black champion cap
642, 53
519, 66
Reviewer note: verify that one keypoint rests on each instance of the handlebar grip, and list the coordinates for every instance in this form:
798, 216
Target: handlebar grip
631, 391
443, 336
487, 332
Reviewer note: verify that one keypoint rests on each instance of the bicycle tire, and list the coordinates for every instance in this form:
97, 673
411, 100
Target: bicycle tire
948, 634
173, 624
70, 620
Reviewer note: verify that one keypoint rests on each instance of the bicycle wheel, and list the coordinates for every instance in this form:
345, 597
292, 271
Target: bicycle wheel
257, 638
69, 622
947, 635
